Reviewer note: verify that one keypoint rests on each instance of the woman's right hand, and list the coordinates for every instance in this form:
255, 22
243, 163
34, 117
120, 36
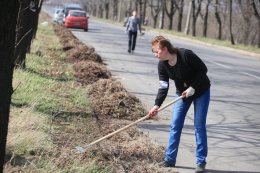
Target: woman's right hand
154, 111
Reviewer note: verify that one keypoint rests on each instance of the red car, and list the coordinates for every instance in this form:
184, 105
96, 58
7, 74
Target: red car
77, 19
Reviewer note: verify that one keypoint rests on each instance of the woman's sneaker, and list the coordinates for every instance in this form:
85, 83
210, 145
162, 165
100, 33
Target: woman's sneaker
166, 164
200, 168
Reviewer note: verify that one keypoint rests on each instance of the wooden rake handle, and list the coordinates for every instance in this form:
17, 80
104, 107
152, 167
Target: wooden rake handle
133, 123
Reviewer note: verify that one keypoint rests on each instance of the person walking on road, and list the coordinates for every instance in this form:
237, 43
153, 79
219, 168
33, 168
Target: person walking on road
132, 27
189, 74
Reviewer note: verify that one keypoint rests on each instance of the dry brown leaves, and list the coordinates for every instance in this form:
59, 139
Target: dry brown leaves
109, 98
67, 39
88, 72
83, 52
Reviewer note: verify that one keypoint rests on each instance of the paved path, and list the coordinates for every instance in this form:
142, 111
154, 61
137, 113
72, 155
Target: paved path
234, 115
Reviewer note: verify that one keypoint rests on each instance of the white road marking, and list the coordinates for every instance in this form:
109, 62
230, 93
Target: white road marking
222, 65
228, 67
248, 74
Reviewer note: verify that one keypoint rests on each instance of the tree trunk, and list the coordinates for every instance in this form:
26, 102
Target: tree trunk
187, 26
140, 13
195, 14
247, 15
180, 9
258, 44
257, 15
155, 9
115, 10
119, 16
171, 12
193, 18
26, 29
205, 25
144, 12
230, 23
106, 10
161, 25
7, 44
136, 5
218, 20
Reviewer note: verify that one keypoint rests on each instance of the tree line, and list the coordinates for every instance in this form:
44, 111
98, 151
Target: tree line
18, 27
235, 20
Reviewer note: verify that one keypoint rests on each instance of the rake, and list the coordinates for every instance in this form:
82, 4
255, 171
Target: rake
82, 150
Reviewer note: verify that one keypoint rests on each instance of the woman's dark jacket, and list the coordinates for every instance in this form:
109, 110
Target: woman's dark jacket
188, 71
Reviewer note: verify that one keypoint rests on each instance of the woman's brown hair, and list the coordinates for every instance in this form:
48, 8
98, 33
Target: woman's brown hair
163, 42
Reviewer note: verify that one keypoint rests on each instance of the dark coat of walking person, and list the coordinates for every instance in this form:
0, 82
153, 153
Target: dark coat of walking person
189, 74
132, 27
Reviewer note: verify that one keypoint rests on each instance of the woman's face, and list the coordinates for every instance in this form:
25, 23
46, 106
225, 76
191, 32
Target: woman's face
160, 53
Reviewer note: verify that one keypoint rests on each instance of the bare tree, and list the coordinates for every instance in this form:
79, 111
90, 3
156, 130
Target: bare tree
218, 19
247, 14
106, 10
180, 12
140, 4
187, 26
115, 10
170, 13
155, 10
144, 10
162, 14
26, 29
8, 20
196, 8
100, 8
256, 6
119, 17
205, 18
230, 22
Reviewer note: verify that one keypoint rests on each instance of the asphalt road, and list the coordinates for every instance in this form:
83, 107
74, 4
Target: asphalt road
233, 122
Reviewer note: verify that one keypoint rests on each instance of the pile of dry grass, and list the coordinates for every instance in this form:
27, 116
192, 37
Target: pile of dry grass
76, 50
88, 72
83, 52
128, 151
67, 39
109, 98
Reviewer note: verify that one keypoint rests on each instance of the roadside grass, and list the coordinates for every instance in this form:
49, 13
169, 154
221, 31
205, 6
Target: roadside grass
181, 35
27, 132
48, 84
49, 109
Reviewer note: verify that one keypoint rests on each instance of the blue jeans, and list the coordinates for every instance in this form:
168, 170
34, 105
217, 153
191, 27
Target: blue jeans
180, 110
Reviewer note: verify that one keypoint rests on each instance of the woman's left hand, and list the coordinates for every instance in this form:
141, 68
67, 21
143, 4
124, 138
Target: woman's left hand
188, 92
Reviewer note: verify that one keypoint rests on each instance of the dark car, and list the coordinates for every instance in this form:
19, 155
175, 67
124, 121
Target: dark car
71, 6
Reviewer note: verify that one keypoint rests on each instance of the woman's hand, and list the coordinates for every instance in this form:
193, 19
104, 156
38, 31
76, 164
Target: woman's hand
154, 111
188, 92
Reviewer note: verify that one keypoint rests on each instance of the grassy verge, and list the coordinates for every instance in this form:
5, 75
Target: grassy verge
47, 84
37, 130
